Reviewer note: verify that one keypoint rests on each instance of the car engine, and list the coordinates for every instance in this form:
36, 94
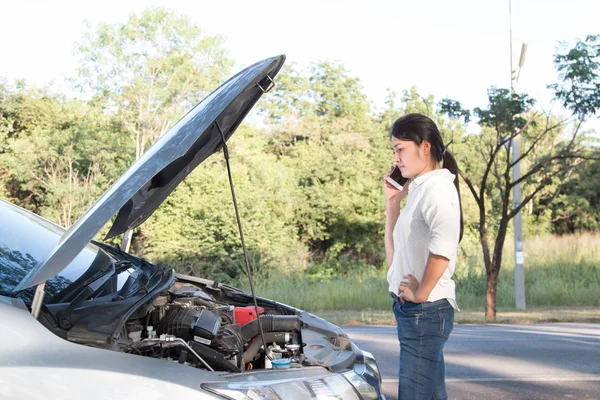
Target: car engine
191, 327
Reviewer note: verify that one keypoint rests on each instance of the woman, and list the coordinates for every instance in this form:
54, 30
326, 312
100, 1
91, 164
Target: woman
421, 243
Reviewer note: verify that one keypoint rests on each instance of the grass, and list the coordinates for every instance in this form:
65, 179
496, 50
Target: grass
530, 316
562, 276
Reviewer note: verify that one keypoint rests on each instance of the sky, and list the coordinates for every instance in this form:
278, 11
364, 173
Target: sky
446, 48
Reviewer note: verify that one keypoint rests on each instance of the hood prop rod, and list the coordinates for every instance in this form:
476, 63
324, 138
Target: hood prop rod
38, 299
239, 223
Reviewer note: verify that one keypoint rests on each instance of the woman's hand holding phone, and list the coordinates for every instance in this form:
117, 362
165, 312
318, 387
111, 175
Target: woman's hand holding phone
395, 184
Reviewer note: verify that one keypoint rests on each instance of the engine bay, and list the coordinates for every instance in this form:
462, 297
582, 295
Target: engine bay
191, 327
193, 321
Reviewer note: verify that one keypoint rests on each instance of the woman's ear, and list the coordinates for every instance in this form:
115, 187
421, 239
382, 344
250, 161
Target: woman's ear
426, 146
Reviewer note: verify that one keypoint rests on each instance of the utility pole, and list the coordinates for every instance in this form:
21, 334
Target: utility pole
516, 174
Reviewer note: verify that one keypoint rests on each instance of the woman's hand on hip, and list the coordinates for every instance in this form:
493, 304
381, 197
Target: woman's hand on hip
407, 289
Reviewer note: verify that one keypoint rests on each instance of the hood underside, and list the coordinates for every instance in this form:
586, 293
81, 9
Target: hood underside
146, 184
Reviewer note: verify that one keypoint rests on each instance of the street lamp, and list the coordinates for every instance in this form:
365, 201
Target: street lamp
516, 175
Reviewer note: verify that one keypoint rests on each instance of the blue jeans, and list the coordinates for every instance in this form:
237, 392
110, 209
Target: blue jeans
422, 331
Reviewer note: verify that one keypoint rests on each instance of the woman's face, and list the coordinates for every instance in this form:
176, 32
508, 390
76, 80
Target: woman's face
412, 159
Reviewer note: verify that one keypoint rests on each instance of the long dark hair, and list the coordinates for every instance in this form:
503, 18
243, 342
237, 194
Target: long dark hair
417, 128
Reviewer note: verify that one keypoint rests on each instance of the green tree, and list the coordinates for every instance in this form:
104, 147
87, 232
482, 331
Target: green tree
205, 240
288, 100
335, 93
579, 70
147, 72
552, 149
324, 133
577, 207
325, 91
57, 155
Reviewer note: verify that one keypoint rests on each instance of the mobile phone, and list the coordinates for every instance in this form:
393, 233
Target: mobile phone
396, 178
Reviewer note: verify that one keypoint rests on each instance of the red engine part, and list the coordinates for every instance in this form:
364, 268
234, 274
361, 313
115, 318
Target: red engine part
243, 315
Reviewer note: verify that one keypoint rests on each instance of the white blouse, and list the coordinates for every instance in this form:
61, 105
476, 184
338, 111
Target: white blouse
428, 223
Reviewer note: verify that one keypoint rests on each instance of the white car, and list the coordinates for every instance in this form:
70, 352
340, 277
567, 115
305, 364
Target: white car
85, 320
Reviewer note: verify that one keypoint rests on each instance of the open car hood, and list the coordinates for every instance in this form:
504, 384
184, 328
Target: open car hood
146, 184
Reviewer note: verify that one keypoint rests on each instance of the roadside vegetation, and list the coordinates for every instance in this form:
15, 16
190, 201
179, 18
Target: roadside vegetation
562, 274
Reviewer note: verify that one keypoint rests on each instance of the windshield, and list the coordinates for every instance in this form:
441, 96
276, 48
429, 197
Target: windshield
26, 238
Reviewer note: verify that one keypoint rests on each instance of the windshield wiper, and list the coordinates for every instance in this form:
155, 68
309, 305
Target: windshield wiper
92, 286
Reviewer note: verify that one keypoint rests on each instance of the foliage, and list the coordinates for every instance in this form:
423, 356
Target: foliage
325, 92
148, 71
58, 155
579, 70
207, 228
577, 207
562, 271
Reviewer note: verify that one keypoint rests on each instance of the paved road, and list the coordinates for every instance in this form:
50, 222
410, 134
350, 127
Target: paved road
541, 361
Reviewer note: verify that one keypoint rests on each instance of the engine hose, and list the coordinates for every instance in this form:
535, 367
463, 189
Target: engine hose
214, 357
252, 350
271, 323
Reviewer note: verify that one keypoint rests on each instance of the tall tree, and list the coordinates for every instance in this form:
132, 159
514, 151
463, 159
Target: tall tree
552, 149
148, 71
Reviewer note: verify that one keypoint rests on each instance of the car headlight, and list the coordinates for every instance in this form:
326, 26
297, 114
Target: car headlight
346, 386
363, 386
368, 368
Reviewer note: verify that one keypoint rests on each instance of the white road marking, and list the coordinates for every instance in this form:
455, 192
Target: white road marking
575, 378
